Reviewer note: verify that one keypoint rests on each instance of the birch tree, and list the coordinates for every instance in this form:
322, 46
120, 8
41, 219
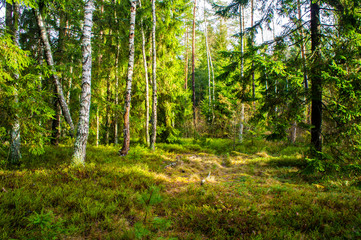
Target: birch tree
208, 57
154, 108
186, 61
193, 63
12, 20
50, 62
128, 93
85, 98
147, 137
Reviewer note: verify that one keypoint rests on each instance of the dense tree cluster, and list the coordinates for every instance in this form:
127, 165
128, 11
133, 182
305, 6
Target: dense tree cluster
99, 71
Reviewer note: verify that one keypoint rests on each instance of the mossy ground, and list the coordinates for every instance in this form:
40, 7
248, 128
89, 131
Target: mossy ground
254, 190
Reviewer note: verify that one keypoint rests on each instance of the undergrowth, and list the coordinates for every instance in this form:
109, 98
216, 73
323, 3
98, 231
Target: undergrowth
202, 189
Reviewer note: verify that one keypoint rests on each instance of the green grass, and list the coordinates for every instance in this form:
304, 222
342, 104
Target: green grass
254, 190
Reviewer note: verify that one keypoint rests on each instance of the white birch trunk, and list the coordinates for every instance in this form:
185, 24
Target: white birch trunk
154, 71
128, 93
147, 137
241, 125
193, 65
186, 61
50, 61
70, 82
85, 99
207, 50
15, 154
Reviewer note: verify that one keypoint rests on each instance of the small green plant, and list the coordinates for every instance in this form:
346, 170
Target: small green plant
144, 229
46, 226
227, 162
148, 199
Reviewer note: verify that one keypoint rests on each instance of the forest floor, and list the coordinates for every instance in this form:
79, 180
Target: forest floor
205, 189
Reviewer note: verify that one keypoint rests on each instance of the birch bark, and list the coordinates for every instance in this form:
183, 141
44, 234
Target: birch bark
154, 71
147, 137
12, 19
208, 63
128, 93
186, 61
193, 63
50, 62
85, 98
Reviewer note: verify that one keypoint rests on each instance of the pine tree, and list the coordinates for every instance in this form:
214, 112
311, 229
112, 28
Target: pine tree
316, 81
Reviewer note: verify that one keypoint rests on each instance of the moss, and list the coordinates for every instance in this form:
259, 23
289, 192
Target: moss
248, 194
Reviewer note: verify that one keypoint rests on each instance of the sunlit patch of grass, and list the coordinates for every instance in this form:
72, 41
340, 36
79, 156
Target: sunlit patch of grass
256, 191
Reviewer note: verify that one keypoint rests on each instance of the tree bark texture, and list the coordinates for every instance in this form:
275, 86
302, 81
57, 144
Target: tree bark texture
241, 124
128, 93
97, 134
116, 112
154, 71
253, 77
85, 97
12, 20
208, 63
147, 137
193, 64
186, 62
50, 62
55, 125
107, 112
305, 80
116, 119
316, 81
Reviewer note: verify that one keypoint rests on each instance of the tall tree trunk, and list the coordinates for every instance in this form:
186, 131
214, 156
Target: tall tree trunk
108, 97
107, 112
208, 63
99, 70
128, 94
116, 119
147, 137
253, 77
154, 71
12, 21
97, 134
212, 69
305, 80
55, 125
293, 130
193, 64
316, 81
116, 115
70, 83
56, 122
186, 61
50, 61
85, 97
241, 124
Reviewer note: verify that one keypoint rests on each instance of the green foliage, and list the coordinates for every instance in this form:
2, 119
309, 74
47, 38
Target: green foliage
262, 194
46, 226
31, 108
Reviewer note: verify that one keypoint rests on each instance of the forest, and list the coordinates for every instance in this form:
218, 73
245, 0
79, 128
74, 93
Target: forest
180, 119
